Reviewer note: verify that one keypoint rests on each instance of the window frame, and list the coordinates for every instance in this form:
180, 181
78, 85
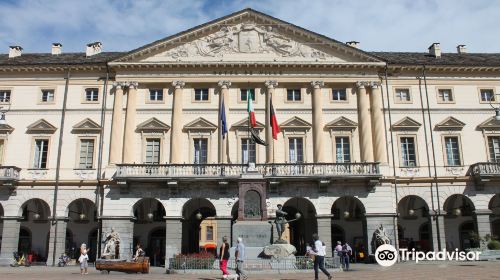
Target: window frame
209, 90
303, 149
300, 91
335, 147
32, 156
452, 94
339, 101
240, 100
153, 138
401, 101
3, 149
479, 92
78, 155
490, 159
149, 135
193, 155
84, 95
40, 97
148, 96
249, 141
445, 154
10, 90
400, 149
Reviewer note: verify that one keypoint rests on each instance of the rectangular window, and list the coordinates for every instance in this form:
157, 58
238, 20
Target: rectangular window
445, 95
4, 96
41, 153
2, 144
86, 154
452, 151
91, 94
244, 94
293, 95
296, 151
156, 95
152, 151
343, 149
339, 94
200, 150
494, 148
487, 95
48, 95
408, 156
247, 151
403, 95
210, 233
201, 94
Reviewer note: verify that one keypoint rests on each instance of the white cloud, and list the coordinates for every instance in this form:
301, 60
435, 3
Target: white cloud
380, 25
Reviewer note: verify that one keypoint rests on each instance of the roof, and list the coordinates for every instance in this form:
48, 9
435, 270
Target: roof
48, 59
446, 59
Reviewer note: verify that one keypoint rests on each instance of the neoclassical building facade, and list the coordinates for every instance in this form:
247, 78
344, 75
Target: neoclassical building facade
134, 141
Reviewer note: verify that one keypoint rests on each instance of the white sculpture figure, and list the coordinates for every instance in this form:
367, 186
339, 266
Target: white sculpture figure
111, 241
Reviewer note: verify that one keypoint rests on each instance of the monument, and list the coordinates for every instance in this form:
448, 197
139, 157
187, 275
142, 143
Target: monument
111, 245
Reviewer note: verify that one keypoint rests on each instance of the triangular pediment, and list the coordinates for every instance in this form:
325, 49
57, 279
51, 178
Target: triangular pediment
295, 123
341, 123
41, 126
406, 123
490, 124
247, 36
6, 129
450, 123
153, 125
200, 124
86, 126
243, 125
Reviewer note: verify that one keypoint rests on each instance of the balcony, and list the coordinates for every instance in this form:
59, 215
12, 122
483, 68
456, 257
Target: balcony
157, 172
9, 176
484, 172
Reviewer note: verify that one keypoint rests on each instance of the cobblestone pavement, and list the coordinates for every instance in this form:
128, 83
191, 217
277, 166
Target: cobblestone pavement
438, 270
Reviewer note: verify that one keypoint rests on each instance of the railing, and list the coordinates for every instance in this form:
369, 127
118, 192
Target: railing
484, 169
300, 262
9, 173
235, 170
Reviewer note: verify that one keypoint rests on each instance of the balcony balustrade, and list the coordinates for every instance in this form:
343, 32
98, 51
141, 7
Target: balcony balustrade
9, 176
484, 172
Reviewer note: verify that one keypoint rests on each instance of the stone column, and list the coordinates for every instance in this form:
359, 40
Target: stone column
325, 232
173, 239
176, 149
60, 247
269, 131
223, 95
10, 239
115, 153
483, 222
124, 226
223, 229
438, 232
373, 222
129, 141
317, 121
377, 114
364, 120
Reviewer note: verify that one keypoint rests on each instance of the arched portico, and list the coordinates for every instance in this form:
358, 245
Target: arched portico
194, 212
82, 219
414, 224
300, 231
460, 222
35, 229
494, 207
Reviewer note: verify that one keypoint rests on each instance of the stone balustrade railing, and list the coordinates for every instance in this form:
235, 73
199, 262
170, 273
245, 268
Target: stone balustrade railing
235, 170
9, 173
485, 169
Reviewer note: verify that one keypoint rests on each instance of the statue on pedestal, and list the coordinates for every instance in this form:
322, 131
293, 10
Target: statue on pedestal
111, 245
281, 222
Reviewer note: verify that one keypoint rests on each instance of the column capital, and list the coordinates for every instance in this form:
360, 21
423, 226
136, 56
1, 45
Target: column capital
132, 84
178, 84
271, 83
374, 84
118, 85
362, 84
317, 84
224, 84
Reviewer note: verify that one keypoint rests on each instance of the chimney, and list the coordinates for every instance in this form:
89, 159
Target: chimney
353, 44
461, 49
56, 48
435, 50
15, 51
94, 48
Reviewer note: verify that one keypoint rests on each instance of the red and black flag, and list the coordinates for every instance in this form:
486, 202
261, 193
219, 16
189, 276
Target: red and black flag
274, 123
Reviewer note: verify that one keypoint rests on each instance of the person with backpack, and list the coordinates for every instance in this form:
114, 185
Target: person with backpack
319, 260
346, 255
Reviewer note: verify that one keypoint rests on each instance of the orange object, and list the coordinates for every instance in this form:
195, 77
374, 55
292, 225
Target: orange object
210, 246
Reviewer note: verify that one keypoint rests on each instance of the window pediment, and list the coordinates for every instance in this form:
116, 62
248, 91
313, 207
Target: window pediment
243, 125
490, 124
41, 126
153, 125
406, 123
86, 126
6, 129
295, 123
341, 123
450, 123
200, 124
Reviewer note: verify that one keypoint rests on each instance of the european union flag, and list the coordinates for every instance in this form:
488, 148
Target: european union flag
223, 128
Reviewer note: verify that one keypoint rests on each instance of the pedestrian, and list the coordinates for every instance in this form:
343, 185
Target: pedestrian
319, 260
346, 255
338, 252
83, 259
240, 257
224, 256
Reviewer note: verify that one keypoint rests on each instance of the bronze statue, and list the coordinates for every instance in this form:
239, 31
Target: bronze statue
281, 221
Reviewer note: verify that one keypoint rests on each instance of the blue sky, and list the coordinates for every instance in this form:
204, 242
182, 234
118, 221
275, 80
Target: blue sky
380, 25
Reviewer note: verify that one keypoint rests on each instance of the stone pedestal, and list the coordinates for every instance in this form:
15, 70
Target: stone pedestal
256, 235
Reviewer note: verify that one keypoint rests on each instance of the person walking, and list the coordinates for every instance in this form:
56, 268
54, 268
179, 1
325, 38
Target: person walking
338, 252
240, 257
346, 255
319, 260
83, 259
224, 257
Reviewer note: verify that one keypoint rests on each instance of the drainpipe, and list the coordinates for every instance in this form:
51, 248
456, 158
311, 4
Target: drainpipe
100, 191
58, 166
393, 157
433, 158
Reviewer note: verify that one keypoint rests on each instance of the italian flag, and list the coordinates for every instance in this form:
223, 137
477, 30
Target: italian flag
253, 121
